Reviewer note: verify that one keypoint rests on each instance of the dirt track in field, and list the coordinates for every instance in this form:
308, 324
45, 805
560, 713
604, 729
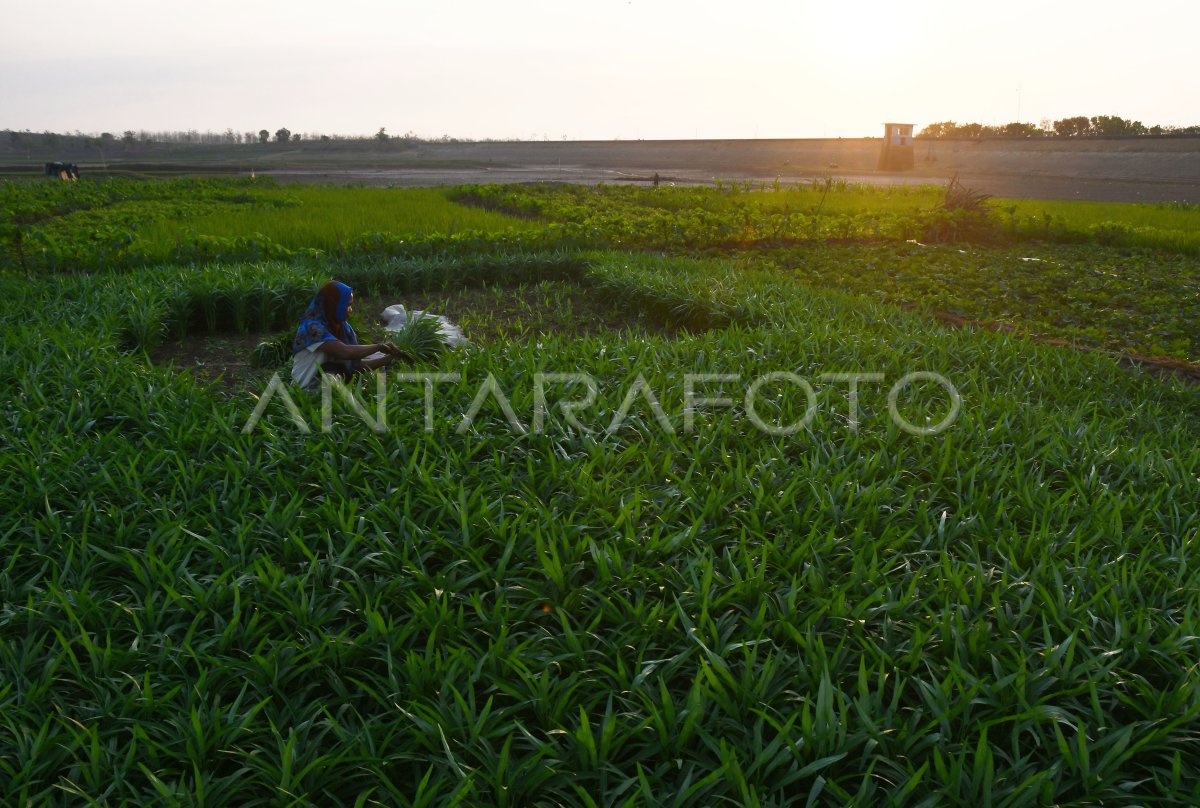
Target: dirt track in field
1118, 170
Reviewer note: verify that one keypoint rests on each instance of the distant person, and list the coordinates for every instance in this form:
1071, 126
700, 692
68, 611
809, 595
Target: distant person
326, 343
67, 172
64, 171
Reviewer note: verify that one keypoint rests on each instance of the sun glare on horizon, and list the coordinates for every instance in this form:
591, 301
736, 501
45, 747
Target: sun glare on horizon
596, 70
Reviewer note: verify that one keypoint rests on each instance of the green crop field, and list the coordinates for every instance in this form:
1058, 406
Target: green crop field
1172, 226
327, 218
721, 579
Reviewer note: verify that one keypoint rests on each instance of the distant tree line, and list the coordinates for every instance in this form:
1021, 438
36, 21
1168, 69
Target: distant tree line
132, 139
142, 139
1078, 126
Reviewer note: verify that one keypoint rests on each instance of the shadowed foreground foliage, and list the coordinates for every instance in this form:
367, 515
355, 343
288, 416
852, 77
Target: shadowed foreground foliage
1003, 614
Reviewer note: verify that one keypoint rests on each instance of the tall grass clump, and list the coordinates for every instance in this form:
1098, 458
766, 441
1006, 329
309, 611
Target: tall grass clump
963, 214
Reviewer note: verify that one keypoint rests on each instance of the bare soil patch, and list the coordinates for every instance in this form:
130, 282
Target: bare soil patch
506, 313
223, 358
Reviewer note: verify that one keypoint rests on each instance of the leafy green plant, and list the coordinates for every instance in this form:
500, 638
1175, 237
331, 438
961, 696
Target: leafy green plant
418, 339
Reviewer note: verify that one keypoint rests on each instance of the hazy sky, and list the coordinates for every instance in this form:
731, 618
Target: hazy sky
596, 69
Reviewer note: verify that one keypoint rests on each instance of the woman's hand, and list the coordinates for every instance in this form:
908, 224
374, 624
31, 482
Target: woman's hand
381, 362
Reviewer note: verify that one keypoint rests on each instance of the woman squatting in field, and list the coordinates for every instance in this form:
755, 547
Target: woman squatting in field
326, 343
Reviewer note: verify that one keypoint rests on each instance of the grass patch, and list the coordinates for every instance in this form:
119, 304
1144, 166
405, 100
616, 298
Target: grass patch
1165, 226
742, 215
329, 219
116, 224
1138, 301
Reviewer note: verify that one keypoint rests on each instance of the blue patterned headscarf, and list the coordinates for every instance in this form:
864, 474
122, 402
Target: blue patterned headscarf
325, 318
